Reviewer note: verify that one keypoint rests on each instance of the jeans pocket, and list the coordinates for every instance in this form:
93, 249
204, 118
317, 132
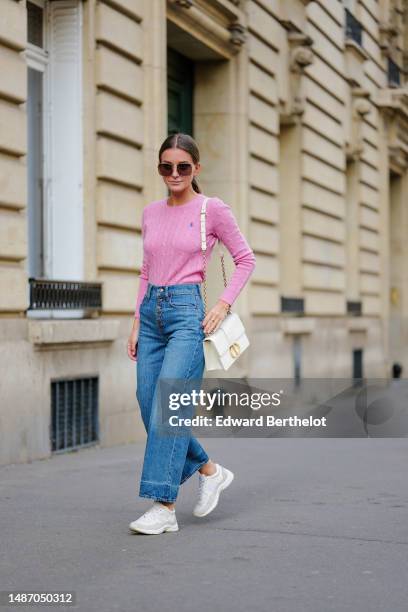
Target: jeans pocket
143, 302
183, 300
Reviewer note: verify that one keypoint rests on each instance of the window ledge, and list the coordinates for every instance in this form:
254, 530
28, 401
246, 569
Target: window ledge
357, 50
68, 332
358, 325
298, 325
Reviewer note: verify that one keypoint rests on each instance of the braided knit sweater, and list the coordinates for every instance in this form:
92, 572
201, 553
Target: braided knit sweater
172, 245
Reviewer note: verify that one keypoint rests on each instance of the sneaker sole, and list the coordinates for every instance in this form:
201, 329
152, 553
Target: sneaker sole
224, 485
154, 532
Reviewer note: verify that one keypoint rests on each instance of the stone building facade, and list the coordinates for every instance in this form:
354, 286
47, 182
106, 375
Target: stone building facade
300, 109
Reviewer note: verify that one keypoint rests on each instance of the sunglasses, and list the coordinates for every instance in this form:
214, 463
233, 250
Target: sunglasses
183, 168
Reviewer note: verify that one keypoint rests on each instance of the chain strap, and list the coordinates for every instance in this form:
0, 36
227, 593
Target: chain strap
205, 270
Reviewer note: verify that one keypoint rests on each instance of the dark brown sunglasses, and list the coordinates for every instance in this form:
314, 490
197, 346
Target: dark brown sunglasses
183, 168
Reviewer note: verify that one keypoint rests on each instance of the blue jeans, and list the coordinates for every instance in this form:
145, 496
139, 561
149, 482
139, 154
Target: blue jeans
170, 346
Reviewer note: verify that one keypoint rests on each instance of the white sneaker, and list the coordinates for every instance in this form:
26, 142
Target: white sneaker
157, 519
209, 489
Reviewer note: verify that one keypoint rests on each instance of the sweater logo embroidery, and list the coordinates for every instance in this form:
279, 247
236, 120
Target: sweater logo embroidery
191, 224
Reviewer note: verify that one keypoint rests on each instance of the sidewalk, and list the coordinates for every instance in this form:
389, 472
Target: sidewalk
310, 525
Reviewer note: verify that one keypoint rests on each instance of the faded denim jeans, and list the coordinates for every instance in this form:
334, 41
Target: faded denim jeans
170, 346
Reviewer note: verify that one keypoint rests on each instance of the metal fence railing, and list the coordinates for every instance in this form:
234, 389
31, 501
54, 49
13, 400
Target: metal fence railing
48, 294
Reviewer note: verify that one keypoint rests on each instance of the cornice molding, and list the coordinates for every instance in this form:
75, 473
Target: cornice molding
219, 21
394, 105
393, 100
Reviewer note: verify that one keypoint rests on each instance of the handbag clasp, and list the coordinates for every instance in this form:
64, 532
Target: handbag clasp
234, 350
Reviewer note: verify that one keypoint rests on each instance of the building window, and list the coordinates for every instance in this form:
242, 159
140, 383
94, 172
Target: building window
357, 364
353, 28
35, 24
37, 62
394, 74
180, 91
55, 150
292, 305
297, 359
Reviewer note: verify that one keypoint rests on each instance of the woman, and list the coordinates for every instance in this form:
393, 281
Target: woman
169, 327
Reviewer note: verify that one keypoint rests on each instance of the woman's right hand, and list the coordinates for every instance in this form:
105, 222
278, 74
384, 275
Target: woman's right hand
132, 341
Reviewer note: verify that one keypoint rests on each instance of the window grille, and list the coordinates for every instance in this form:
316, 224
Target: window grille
65, 295
74, 413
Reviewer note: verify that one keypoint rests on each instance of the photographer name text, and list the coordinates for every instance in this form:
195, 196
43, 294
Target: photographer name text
259, 421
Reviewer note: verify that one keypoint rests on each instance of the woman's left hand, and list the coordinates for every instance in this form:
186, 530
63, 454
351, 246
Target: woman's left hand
214, 317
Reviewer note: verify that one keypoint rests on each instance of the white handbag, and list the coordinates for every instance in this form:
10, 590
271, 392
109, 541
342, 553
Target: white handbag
223, 346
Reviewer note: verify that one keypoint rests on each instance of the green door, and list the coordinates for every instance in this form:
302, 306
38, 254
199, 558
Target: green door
180, 71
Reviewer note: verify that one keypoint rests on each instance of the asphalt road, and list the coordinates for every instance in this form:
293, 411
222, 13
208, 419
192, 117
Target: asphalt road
313, 525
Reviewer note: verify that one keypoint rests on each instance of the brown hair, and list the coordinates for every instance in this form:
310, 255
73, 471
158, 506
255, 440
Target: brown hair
188, 144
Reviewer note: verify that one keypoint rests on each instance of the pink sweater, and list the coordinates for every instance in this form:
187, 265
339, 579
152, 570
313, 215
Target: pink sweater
172, 245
